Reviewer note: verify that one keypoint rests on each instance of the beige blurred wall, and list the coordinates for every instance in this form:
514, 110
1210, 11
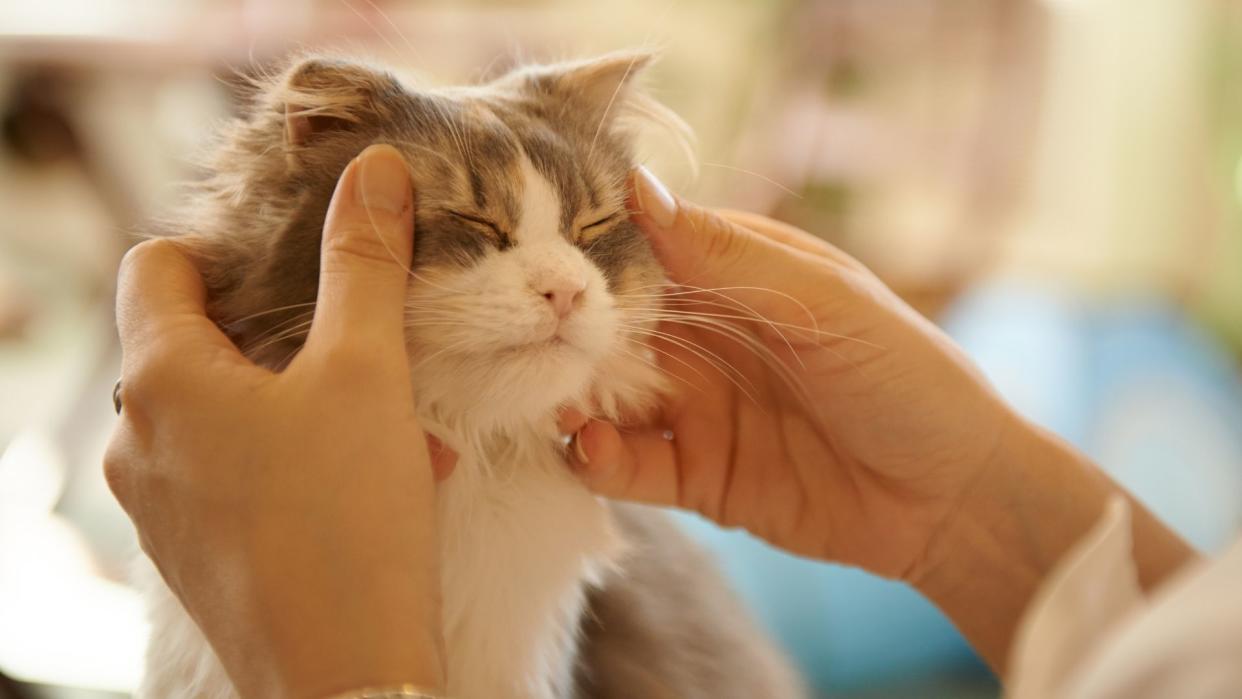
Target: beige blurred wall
1124, 195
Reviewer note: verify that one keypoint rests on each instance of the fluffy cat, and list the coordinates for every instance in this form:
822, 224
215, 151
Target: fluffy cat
526, 275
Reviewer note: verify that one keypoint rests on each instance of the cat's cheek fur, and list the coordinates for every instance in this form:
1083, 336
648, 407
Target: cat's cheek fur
627, 385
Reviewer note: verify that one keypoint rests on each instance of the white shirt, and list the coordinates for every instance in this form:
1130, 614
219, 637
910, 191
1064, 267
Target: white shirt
1090, 633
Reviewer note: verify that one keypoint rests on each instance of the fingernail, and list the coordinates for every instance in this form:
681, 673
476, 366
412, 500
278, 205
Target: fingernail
571, 420
580, 453
383, 182
654, 198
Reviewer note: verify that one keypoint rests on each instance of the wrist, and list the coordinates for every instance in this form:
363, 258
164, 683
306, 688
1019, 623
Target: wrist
384, 658
403, 691
1033, 501
349, 623
414, 660
1028, 505
384, 637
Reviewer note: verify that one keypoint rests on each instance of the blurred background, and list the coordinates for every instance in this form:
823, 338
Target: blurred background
1058, 183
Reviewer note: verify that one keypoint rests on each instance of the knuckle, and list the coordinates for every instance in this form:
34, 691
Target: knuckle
722, 239
144, 545
117, 467
146, 378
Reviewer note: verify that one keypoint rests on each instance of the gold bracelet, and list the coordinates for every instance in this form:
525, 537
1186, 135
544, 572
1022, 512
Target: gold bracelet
397, 691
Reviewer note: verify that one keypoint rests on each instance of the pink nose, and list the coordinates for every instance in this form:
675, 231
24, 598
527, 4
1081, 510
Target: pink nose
563, 296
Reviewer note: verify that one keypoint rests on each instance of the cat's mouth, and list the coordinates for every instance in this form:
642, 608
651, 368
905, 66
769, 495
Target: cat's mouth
563, 346
556, 342
560, 336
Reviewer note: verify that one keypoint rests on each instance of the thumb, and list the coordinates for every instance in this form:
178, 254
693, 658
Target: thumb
720, 260
693, 243
640, 465
368, 240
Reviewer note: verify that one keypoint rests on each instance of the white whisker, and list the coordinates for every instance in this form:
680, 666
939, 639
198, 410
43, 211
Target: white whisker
277, 328
299, 329
373, 28
252, 316
716, 361
608, 108
769, 180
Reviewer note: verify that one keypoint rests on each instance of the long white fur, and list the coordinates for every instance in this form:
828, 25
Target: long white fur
521, 539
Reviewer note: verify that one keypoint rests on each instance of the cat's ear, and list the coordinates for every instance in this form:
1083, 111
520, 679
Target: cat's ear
592, 90
318, 96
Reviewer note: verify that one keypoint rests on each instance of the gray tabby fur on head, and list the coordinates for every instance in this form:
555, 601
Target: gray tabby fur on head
259, 213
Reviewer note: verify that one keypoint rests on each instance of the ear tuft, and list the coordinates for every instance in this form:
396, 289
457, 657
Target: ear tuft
600, 95
591, 87
318, 96
601, 79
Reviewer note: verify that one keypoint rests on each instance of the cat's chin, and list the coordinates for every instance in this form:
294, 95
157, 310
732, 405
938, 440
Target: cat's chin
514, 388
556, 348
510, 389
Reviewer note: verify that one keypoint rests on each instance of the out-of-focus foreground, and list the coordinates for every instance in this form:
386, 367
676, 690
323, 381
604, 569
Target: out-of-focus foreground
1057, 182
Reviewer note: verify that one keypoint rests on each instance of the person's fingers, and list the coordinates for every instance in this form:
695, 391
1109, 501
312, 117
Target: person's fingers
118, 464
570, 420
788, 235
639, 465
443, 459
691, 242
158, 288
775, 230
700, 249
162, 320
368, 242
685, 234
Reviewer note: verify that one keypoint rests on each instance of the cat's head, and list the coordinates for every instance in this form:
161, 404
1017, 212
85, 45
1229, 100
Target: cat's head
529, 280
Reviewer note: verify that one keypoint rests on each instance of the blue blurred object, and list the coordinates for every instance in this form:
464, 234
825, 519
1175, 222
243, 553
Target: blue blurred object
1133, 383
845, 628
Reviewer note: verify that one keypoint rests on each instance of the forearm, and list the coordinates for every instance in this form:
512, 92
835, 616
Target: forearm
1034, 501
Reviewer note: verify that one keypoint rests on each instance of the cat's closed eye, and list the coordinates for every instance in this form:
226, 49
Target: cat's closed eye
600, 222
496, 232
585, 232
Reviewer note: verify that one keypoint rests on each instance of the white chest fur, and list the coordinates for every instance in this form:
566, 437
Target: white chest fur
519, 546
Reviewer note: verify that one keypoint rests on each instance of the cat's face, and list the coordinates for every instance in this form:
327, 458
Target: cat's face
526, 262
529, 281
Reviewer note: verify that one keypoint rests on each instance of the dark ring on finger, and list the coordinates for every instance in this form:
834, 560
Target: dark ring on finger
116, 396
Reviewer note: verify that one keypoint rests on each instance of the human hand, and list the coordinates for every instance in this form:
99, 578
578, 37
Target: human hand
849, 428
847, 433
293, 514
